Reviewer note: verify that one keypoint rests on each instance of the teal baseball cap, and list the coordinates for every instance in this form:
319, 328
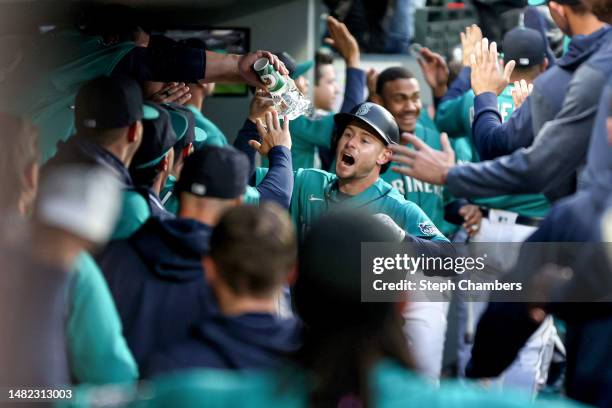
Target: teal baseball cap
158, 138
540, 2
183, 122
302, 68
295, 70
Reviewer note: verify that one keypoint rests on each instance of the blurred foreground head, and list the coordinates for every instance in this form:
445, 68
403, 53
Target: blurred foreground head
19, 158
253, 250
81, 202
345, 337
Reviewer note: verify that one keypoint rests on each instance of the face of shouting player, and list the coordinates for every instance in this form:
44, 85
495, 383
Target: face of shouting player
360, 153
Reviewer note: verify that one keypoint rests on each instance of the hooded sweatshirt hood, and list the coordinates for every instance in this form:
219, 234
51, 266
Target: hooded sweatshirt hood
597, 176
246, 341
581, 47
253, 340
173, 248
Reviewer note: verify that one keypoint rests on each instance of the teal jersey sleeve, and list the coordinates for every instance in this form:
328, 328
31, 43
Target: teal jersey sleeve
455, 116
98, 351
251, 196
47, 95
395, 386
430, 198
308, 133
412, 218
134, 213
215, 136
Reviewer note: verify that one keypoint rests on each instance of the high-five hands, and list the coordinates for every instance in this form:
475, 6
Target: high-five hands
273, 134
469, 40
487, 72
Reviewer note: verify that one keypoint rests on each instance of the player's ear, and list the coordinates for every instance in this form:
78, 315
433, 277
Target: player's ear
544, 65
384, 157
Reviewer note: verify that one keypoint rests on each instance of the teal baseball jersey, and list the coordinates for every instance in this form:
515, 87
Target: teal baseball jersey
98, 351
315, 192
429, 197
455, 117
306, 135
134, 213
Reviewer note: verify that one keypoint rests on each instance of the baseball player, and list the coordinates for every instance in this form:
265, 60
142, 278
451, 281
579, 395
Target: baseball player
362, 155
399, 92
508, 218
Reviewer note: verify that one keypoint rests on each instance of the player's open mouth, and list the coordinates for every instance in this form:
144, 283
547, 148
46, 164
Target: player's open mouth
347, 159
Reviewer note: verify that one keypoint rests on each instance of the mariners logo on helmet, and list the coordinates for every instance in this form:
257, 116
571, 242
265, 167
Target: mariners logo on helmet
364, 109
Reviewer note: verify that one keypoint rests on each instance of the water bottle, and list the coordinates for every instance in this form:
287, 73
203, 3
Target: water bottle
288, 100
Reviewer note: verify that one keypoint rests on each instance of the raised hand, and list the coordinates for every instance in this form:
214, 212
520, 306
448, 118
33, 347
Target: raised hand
423, 163
487, 73
472, 216
245, 66
172, 92
273, 134
520, 92
469, 40
260, 104
372, 78
342, 40
435, 71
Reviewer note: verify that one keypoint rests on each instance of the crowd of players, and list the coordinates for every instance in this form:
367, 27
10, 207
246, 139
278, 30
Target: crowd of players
140, 245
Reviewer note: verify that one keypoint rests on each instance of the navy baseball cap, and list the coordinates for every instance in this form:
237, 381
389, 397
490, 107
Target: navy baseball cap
375, 116
110, 103
158, 138
216, 172
525, 46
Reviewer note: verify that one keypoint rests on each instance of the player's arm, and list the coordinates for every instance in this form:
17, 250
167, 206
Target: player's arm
550, 163
425, 236
260, 104
276, 144
452, 115
494, 138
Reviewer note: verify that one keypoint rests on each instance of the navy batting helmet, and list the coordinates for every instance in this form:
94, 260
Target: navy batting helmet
373, 115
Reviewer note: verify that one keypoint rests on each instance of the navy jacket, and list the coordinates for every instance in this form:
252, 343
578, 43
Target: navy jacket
505, 327
493, 138
157, 282
79, 151
247, 341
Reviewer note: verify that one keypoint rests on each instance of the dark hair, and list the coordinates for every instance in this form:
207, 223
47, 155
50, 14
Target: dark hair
579, 8
343, 337
601, 8
19, 150
254, 248
321, 58
391, 74
102, 137
145, 177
